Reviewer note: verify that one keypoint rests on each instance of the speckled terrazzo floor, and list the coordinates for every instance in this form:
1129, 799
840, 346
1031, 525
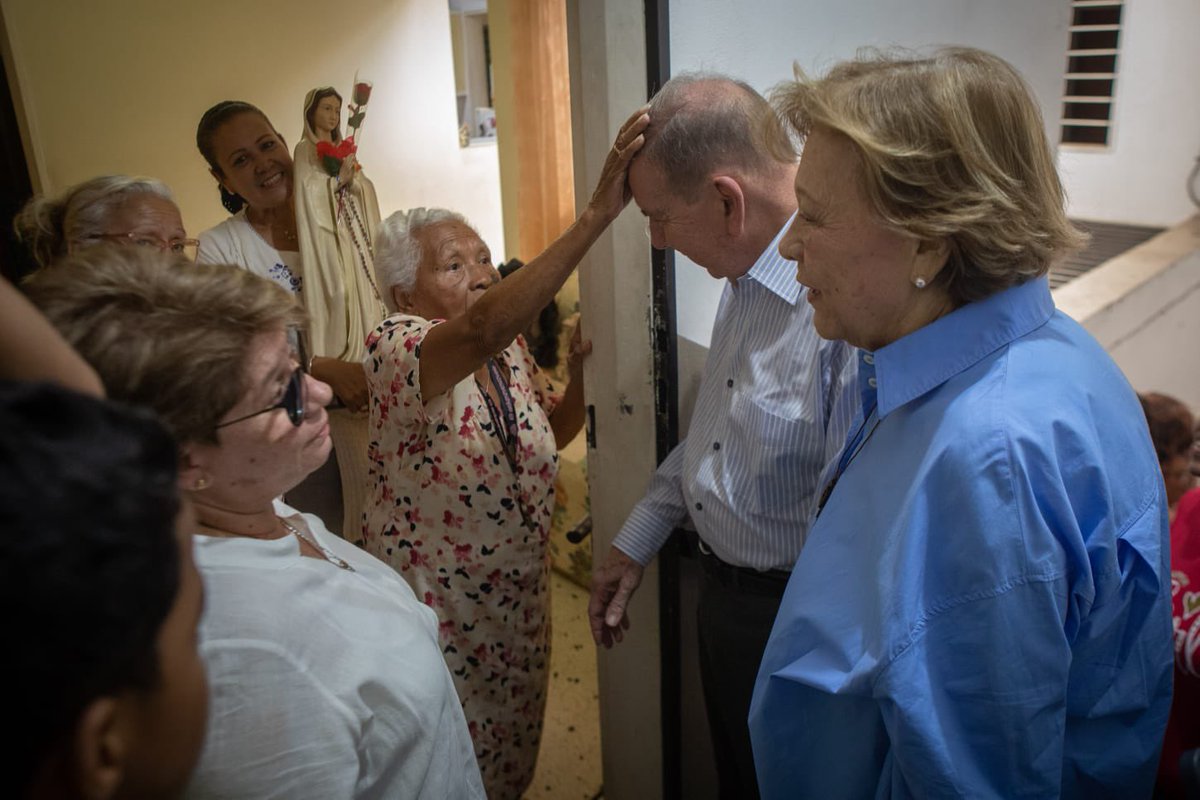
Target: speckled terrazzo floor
569, 762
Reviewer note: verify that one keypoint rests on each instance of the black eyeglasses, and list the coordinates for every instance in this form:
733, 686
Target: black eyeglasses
293, 400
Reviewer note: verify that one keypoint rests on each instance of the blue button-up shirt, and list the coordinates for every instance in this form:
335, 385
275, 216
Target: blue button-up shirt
773, 408
983, 606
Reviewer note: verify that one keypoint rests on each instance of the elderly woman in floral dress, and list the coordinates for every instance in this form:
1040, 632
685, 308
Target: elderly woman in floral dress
463, 454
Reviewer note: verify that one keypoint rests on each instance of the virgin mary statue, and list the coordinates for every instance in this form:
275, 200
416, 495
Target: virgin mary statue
337, 216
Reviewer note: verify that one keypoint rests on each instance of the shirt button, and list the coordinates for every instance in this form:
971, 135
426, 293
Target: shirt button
729, 383
868, 358
716, 445
872, 383
699, 506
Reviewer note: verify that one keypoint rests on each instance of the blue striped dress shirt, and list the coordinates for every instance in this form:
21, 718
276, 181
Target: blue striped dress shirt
773, 408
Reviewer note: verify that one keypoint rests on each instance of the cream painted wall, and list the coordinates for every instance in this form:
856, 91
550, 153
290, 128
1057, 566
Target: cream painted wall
119, 86
1155, 141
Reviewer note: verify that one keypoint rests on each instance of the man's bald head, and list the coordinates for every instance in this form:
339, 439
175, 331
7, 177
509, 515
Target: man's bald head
704, 122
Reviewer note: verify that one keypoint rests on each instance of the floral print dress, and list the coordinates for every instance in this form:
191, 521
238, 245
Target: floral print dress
444, 513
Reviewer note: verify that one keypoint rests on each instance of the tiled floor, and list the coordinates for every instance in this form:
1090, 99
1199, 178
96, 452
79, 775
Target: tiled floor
569, 761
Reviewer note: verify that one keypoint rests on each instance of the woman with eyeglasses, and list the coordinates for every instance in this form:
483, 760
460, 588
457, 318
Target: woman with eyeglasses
326, 675
254, 171
111, 208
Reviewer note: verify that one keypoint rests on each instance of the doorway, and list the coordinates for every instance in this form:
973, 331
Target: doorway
513, 92
15, 185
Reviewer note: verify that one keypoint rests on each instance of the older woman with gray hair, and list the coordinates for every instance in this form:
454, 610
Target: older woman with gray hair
111, 208
463, 454
982, 608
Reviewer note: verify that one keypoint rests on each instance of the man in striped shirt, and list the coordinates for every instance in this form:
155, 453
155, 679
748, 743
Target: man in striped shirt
773, 407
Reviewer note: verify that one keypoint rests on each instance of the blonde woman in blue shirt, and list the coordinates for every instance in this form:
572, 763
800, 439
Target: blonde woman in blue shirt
982, 608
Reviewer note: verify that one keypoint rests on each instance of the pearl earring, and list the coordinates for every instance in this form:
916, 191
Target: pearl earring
919, 283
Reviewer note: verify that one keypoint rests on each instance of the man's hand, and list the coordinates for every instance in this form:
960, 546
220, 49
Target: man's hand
613, 585
347, 379
577, 350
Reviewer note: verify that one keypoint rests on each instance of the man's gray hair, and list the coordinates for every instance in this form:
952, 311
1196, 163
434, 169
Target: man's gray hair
702, 121
398, 249
49, 226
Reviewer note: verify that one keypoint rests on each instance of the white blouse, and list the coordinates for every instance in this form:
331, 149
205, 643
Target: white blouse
234, 241
324, 683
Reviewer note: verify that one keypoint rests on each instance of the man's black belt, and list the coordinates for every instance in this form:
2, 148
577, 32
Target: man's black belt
770, 583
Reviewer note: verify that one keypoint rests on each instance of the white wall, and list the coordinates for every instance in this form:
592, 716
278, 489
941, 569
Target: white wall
760, 47
118, 86
1149, 351
1141, 178
1144, 308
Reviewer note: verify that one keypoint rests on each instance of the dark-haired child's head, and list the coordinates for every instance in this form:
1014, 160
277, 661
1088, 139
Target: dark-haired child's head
107, 696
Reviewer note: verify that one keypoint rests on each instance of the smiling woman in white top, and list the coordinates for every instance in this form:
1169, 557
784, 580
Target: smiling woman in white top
326, 675
254, 172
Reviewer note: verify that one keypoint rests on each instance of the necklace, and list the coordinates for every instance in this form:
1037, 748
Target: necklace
288, 233
329, 556
272, 230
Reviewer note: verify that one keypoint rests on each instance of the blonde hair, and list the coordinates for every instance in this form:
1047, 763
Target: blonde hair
951, 147
48, 226
161, 331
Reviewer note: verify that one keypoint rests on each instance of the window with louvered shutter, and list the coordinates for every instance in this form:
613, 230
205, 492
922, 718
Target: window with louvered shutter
1089, 89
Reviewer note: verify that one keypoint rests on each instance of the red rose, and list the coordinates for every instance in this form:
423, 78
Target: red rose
332, 155
362, 93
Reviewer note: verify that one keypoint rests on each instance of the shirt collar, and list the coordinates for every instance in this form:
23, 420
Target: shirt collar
929, 356
774, 272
